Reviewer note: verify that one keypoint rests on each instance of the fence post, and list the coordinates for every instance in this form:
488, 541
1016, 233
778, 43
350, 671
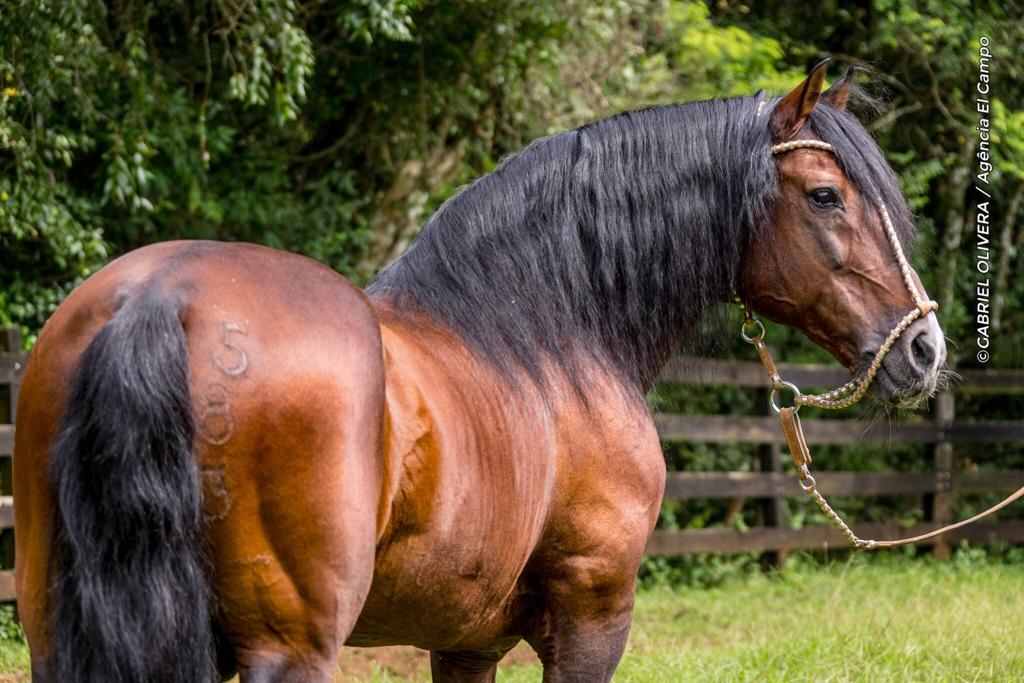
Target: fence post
10, 342
772, 510
939, 505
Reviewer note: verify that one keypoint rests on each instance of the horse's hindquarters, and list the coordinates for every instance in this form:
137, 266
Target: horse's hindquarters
286, 385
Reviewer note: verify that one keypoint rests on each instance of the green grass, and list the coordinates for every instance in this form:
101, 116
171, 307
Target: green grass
852, 622
858, 621
13, 658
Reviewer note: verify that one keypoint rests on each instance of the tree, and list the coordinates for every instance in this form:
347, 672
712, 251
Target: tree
323, 128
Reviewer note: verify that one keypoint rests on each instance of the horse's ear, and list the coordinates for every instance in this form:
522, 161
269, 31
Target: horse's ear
792, 111
839, 93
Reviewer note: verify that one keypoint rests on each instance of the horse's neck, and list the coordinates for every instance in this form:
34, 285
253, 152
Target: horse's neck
608, 242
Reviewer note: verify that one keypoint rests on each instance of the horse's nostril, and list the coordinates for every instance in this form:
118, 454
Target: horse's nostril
923, 350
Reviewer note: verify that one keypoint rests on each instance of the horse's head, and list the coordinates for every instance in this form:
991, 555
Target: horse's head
825, 265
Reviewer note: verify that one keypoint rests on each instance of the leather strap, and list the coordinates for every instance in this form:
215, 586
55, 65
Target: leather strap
938, 532
794, 432
767, 362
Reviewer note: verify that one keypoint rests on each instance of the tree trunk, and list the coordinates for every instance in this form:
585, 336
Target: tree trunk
399, 211
952, 235
1006, 241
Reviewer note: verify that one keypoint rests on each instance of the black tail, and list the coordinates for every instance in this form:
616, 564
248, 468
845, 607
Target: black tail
130, 597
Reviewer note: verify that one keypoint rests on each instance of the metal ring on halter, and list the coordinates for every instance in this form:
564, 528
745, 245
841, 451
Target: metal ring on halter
807, 482
757, 337
775, 394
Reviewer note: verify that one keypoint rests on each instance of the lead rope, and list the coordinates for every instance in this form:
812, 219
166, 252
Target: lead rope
848, 394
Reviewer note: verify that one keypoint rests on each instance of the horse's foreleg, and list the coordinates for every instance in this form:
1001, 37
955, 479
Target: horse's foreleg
583, 607
580, 650
463, 667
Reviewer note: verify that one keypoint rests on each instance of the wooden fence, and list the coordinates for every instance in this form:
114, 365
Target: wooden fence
768, 487
12, 364
771, 485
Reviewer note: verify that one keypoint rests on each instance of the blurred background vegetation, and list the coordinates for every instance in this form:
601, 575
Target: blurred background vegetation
333, 129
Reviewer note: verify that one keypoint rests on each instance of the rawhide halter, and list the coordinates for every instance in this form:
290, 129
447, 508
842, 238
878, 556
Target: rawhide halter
848, 394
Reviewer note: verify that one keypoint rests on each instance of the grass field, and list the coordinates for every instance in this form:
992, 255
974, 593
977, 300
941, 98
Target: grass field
899, 620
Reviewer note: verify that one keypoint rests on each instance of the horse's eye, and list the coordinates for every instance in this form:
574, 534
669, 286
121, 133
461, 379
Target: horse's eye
825, 196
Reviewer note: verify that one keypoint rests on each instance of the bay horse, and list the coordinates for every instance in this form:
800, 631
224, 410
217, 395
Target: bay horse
230, 459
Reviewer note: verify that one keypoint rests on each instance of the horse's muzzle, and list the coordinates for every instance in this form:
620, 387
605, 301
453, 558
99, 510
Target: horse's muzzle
911, 369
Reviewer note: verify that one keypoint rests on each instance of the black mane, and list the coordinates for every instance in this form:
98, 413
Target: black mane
611, 241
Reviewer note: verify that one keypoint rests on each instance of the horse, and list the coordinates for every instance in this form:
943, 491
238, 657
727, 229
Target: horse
229, 459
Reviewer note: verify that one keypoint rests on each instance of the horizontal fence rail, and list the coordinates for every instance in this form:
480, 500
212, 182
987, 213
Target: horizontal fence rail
720, 540
12, 365
683, 485
729, 429
735, 373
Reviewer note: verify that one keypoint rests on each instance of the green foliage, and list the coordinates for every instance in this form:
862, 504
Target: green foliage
107, 142
332, 129
322, 128
715, 61
272, 57
391, 19
697, 571
1008, 141
10, 629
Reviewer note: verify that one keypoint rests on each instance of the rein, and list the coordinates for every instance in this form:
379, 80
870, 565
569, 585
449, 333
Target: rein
752, 331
